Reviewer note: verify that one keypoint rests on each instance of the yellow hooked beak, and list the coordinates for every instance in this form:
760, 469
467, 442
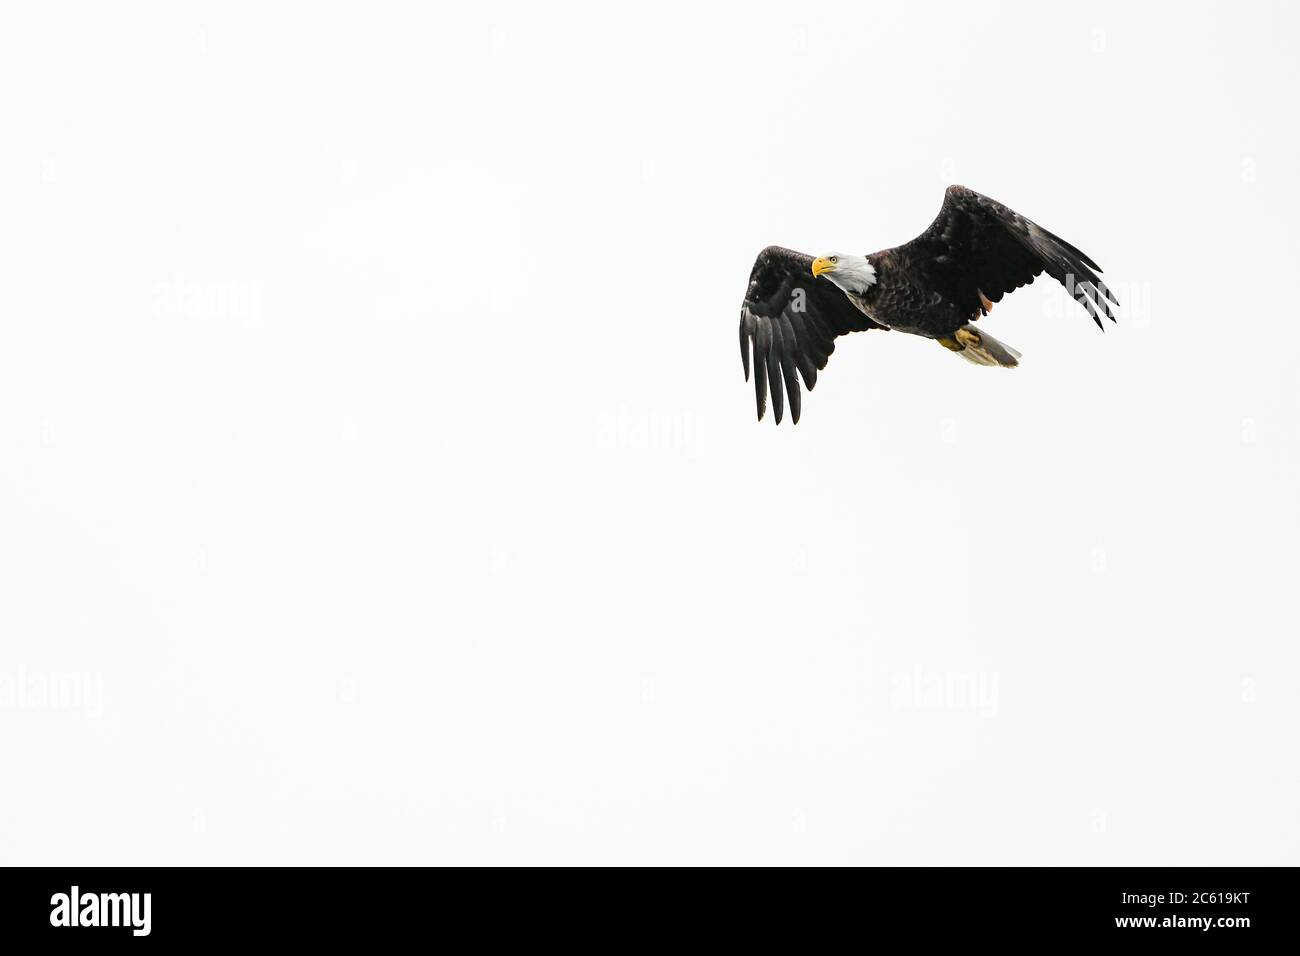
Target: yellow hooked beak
822, 265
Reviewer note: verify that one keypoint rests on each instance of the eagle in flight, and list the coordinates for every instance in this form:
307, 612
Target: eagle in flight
937, 285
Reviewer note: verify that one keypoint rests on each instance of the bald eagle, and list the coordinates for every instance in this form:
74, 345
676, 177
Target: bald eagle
937, 285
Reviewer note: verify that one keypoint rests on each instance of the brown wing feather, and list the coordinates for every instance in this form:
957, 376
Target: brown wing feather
977, 247
790, 322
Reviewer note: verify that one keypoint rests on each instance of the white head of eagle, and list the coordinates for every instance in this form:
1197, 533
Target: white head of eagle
853, 274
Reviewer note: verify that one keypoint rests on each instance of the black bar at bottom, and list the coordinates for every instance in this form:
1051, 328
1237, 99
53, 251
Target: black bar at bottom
375, 906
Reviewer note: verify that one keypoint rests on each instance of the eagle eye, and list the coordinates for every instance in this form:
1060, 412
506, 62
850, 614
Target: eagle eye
835, 258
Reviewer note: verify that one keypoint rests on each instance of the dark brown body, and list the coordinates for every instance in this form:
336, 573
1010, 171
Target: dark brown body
898, 302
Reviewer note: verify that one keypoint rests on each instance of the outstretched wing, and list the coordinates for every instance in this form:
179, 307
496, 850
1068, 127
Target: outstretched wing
977, 247
792, 320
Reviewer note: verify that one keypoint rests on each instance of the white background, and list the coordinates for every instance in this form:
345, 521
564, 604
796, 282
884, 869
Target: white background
378, 482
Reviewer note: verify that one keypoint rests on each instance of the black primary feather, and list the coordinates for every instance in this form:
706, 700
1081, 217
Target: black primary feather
790, 322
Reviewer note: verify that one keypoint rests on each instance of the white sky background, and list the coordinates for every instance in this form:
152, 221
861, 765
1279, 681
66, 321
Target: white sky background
378, 478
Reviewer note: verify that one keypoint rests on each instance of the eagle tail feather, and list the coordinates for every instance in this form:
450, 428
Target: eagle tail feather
981, 348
